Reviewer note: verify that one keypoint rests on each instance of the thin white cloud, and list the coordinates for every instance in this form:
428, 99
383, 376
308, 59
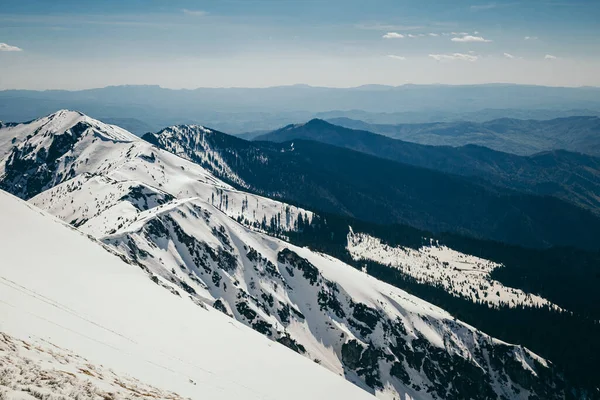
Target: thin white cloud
396, 35
387, 27
481, 7
395, 57
508, 55
196, 13
454, 56
393, 35
530, 38
8, 47
470, 39
550, 57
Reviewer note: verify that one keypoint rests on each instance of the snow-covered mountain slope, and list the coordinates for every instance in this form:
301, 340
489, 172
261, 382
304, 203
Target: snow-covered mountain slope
91, 324
460, 274
376, 335
191, 233
52, 150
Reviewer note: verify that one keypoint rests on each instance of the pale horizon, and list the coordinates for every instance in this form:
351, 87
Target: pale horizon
257, 43
365, 85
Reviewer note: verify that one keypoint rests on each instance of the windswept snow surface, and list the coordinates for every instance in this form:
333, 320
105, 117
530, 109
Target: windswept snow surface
37, 369
63, 293
460, 274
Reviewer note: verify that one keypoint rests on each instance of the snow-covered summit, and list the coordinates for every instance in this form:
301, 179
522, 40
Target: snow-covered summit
59, 123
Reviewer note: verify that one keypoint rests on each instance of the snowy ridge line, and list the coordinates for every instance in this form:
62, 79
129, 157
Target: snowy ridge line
143, 217
460, 274
60, 122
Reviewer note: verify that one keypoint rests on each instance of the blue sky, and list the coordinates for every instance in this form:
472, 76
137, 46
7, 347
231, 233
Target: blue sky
71, 44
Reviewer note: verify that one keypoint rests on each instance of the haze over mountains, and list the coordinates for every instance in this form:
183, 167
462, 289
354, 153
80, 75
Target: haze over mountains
237, 110
523, 137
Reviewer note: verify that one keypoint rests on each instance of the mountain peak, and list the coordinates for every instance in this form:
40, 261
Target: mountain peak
317, 122
65, 113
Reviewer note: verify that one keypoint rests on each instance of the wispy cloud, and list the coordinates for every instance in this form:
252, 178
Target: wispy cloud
454, 56
470, 39
395, 57
8, 47
508, 55
396, 35
530, 38
196, 13
387, 27
550, 57
393, 35
481, 7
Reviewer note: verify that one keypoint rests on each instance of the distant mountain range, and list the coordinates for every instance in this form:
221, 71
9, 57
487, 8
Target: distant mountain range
431, 116
239, 110
517, 136
573, 177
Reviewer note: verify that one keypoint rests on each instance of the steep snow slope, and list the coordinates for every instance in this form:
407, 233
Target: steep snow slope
66, 298
460, 274
176, 221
